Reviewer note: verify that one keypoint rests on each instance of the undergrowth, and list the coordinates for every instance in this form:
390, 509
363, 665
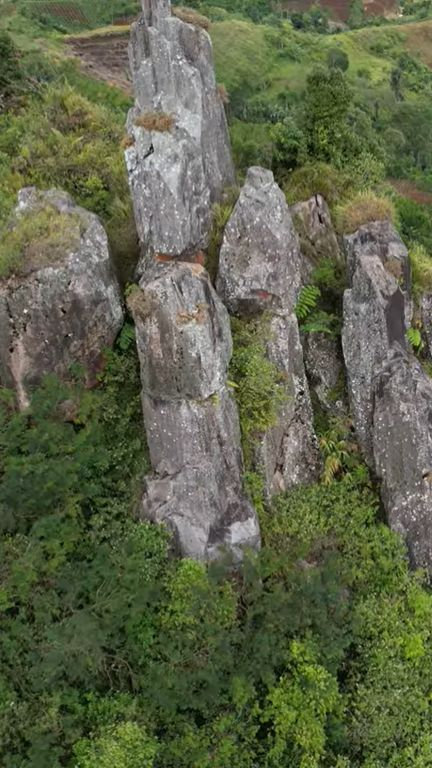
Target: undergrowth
257, 383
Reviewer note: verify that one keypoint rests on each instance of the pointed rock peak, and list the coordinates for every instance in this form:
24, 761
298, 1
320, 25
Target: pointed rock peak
155, 10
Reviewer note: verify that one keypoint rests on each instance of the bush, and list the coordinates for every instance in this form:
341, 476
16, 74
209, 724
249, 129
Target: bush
362, 209
337, 58
316, 178
190, 16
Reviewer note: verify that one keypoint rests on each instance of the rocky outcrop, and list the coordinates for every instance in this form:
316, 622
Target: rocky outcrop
178, 155
325, 371
390, 394
374, 317
191, 420
259, 272
402, 448
62, 303
379, 239
313, 224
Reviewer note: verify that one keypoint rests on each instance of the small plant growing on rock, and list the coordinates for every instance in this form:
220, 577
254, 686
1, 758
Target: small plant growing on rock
256, 381
190, 16
221, 214
155, 121
38, 238
362, 209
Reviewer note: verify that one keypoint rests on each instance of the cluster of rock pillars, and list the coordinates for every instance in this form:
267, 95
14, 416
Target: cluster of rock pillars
71, 310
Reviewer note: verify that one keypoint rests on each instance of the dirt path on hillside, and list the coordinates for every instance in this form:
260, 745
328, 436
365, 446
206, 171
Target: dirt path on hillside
409, 189
104, 57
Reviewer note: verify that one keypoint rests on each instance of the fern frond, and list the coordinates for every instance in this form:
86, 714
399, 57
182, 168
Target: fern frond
415, 339
307, 301
322, 322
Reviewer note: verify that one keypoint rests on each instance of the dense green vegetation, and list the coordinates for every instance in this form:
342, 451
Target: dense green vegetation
317, 653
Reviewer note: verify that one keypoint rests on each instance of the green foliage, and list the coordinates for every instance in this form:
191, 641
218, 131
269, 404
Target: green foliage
313, 319
257, 383
125, 746
340, 452
362, 209
63, 140
414, 338
316, 178
328, 99
338, 58
307, 301
421, 270
10, 71
221, 214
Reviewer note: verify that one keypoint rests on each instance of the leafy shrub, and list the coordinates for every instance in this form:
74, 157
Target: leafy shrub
336, 57
365, 207
316, 178
125, 745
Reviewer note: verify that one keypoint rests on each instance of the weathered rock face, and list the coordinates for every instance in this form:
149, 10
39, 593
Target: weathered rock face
61, 312
379, 239
325, 371
287, 454
191, 420
259, 272
402, 446
259, 262
177, 173
374, 320
313, 224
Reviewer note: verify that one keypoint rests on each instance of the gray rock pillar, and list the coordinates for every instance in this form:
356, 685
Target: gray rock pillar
259, 272
191, 420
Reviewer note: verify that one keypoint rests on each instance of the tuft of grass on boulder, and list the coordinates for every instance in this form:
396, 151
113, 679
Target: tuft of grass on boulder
362, 209
37, 239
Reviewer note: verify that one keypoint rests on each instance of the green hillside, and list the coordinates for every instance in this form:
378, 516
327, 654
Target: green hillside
316, 653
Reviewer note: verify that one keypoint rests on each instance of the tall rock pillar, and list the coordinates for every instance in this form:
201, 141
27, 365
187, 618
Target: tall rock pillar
260, 275
191, 419
178, 156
